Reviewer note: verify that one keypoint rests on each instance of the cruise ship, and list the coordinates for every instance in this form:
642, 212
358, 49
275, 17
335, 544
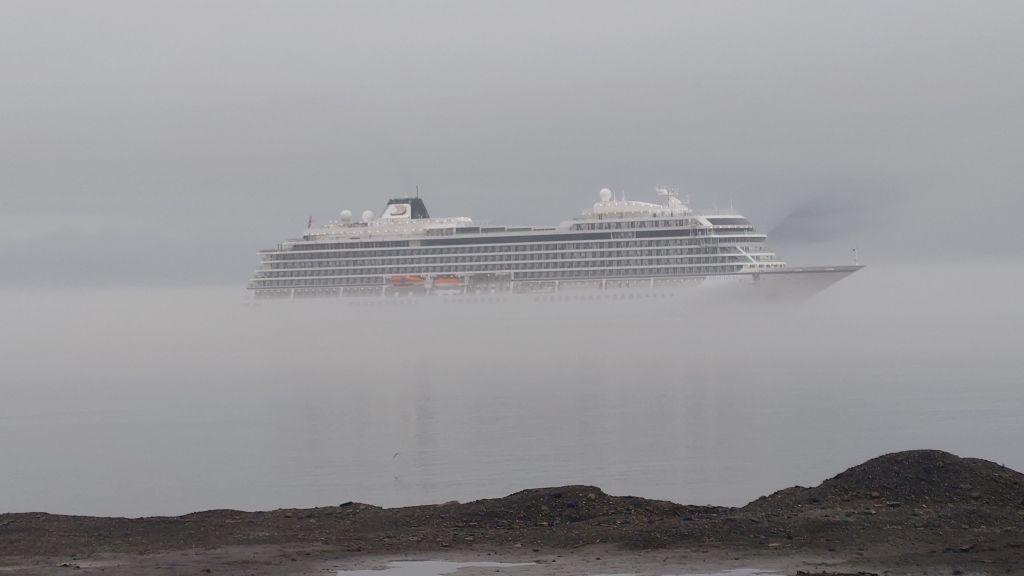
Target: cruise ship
617, 248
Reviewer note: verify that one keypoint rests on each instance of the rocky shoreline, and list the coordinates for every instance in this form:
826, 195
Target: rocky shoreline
919, 511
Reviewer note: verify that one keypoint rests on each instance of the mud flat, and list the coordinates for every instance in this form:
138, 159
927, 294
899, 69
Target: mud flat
922, 512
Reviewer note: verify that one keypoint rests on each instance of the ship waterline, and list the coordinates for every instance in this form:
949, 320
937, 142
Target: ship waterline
618, 247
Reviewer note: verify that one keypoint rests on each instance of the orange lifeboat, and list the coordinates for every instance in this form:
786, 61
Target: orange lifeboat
446, 284
406, 281
447, 281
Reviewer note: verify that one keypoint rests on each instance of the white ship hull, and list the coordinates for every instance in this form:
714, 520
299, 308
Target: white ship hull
787, 284
779, 288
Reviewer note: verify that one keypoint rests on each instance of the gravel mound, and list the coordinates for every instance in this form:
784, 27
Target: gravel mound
567, 504
913, 478
927, 476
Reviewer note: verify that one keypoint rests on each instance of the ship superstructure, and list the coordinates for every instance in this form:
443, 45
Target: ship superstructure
618, 244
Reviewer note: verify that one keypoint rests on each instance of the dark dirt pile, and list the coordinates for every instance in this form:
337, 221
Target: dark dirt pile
919, 507
928, 493
909, 507
920, 477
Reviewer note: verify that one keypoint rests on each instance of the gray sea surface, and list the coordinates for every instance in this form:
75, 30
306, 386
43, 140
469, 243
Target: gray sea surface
150, 402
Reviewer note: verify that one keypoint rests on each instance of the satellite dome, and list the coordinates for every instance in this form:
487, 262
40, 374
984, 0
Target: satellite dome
346, 216
606, 194
367, 216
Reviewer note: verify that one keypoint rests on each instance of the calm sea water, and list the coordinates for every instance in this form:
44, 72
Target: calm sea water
143, 402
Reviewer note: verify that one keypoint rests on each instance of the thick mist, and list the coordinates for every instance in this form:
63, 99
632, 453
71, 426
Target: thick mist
148, 150
137, 402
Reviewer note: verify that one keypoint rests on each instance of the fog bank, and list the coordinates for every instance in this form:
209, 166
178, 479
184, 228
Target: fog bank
136, 402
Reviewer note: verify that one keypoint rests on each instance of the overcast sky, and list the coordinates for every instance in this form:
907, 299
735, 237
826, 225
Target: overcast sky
165, 142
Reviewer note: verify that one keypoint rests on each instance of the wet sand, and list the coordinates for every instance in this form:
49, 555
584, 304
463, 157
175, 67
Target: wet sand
313, 560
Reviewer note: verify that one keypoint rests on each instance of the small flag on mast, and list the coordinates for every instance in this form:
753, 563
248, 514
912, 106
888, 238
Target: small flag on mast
309, 223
